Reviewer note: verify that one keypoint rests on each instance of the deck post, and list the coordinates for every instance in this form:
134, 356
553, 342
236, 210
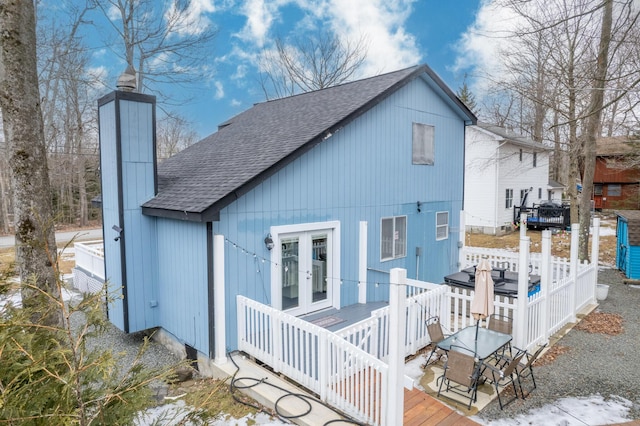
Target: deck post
362, 264
573, 269
397, 328
595, 254
521, 321
545, 283
219, 301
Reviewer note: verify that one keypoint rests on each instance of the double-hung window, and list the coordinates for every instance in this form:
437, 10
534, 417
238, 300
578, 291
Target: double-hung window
393, 237
508, 203
442, 225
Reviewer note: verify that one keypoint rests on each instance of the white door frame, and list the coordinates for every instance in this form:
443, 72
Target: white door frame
333, 281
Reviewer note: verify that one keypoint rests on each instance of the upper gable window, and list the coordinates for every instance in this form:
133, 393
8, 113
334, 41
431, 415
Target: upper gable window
535, 159
423, 144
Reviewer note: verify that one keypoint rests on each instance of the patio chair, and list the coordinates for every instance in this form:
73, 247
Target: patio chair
461, 373
501, 324
525, 369
436, 335
503, 377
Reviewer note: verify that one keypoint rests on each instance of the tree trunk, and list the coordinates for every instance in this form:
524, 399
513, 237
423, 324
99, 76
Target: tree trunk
593, 128
4, 198
24, 135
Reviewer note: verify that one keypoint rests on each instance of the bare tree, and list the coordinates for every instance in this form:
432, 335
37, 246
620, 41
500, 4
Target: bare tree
24, 135
593, 126
556, 73
162, 44
173, 134
68, 108
310, 64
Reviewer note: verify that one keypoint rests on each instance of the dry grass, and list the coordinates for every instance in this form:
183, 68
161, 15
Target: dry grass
560, 244
213, 397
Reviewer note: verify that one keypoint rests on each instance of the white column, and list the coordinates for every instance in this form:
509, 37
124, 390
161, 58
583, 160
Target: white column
461, 239
362, 264
573, 265
220, 343
397, 326
523, 225
595, 253
545, 283
523, 292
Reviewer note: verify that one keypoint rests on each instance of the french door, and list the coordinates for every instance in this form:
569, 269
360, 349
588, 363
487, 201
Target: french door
305, 270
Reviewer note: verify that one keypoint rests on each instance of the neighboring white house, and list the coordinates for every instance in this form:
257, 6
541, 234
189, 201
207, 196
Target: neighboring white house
502, 170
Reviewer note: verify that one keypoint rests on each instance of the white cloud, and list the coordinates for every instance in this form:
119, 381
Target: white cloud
480, 45
219, 93
260, 16
241, 72
235, 103
114, 13
194, 19
382, 23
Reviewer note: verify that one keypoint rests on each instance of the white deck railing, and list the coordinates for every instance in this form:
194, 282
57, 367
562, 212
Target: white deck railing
88, 273
372, 334
90, 257
344, 376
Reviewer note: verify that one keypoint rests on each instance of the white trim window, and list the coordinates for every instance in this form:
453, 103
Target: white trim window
508, 200
442, 225
393, 237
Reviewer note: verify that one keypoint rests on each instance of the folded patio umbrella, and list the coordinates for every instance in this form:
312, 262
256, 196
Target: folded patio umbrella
482, 302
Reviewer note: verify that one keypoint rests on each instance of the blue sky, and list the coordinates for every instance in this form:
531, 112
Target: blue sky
401, 33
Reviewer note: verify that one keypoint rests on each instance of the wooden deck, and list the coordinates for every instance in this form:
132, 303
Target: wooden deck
422, 409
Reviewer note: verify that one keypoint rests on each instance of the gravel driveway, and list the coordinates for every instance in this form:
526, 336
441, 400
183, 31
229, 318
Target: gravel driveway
594, 363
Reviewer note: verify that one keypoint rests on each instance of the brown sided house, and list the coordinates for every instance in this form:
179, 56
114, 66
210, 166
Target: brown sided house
616, 183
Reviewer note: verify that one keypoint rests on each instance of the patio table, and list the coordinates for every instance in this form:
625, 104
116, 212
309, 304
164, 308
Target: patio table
487, 343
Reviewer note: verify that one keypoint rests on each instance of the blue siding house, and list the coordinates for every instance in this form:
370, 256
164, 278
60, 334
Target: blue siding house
280, 204
628, 243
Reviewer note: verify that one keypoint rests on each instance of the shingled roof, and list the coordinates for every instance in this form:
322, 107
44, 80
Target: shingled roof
198, 182
512, 137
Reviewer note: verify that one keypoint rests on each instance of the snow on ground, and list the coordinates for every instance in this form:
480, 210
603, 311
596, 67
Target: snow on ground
592, 410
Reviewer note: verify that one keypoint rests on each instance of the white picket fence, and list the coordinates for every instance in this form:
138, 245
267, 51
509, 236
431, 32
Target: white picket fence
500, 258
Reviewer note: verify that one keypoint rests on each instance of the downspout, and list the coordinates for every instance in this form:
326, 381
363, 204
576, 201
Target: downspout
497, 184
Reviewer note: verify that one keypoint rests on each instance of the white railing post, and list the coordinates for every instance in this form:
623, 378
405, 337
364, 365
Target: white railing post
397, 326
523, 293
595, 253
362, 264
573, 258
461, 240
220, 338
545, 283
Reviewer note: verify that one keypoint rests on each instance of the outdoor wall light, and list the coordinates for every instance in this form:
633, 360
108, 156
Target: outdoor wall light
268, 242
